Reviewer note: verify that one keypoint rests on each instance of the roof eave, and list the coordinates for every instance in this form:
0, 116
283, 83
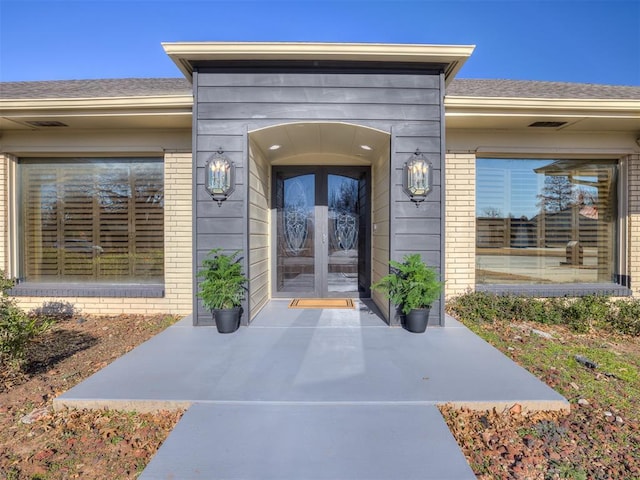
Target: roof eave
186, 54
160, 103
619, 108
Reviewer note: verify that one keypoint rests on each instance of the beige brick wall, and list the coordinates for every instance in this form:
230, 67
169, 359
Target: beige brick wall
460, 227
178, 277
634, 223
177, 248
4, 210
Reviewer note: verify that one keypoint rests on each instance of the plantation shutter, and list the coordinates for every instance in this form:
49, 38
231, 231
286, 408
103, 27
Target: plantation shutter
40, 223
93, 221
114, 209
148, 238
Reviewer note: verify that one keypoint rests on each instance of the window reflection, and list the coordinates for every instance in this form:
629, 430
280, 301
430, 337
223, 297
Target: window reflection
545, 221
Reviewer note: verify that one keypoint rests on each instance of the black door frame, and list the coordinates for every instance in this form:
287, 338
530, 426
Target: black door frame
359, 172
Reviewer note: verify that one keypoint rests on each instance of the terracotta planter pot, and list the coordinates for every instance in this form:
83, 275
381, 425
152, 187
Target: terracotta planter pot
227, 320
417, 319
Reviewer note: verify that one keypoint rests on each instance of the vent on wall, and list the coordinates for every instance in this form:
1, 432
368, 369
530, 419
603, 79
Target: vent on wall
47, 123
548, 124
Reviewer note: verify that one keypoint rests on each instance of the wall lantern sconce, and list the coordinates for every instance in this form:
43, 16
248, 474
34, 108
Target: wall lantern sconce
416, 177
220, 175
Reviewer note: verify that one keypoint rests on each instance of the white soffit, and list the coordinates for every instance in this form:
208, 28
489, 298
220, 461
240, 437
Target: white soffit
186, 54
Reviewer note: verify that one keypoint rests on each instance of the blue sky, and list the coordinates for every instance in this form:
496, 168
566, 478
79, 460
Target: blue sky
556, 40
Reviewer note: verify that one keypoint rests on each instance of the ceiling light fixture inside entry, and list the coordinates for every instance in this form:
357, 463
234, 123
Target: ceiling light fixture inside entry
274, 147
366, 147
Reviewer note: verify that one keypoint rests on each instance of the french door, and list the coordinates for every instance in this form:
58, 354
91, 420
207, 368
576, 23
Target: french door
321, 232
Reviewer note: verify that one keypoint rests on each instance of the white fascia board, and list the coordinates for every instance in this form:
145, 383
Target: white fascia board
501, 106
130, 104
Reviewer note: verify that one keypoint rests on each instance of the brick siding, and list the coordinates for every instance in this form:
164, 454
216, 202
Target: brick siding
460, 227
634, 223
4, 211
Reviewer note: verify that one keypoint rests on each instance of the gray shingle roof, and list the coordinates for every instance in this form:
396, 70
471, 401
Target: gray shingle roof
122, 87
533, 89
132, 87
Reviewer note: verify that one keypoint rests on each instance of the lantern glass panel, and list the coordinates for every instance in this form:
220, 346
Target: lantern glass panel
417, 177
219, 178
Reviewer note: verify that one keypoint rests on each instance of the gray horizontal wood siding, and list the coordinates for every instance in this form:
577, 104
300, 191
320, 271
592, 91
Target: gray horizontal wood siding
227, 105
312, 79
314, 111
418, 228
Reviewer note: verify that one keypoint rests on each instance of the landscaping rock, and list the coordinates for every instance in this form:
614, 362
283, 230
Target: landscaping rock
586, 362
542, 334
35, 415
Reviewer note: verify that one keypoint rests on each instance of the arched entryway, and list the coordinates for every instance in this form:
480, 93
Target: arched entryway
318, 212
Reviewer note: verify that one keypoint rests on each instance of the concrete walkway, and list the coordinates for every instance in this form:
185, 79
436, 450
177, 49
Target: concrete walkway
318, 394
304, 442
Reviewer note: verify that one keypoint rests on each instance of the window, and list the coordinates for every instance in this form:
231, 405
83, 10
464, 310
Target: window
92, 220
546, 221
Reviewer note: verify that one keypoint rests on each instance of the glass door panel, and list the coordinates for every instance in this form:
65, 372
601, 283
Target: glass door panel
343, 227
321, 244
296, 245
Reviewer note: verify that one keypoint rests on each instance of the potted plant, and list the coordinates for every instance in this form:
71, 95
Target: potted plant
413, 287
223, 288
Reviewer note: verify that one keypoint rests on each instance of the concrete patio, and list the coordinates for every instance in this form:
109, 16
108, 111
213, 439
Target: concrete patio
320, 394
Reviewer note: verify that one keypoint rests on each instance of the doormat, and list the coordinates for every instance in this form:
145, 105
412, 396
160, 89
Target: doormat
322, 303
